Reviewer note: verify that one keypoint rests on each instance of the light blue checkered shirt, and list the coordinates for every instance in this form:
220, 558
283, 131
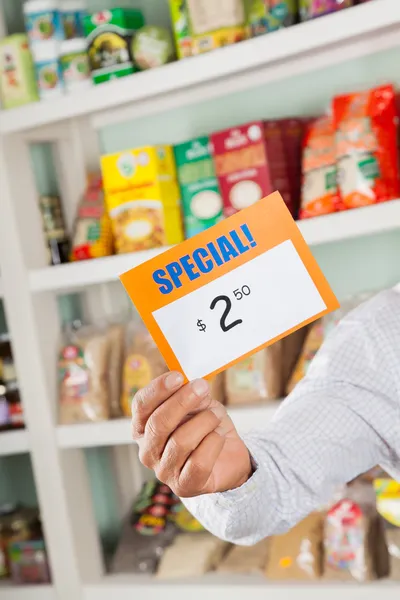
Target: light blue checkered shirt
340, 421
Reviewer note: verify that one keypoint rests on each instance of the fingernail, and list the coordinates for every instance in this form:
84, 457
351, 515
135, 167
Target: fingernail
173, 380
199, 387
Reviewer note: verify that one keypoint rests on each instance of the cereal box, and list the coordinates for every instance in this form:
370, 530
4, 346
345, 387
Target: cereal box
201, 199
138, 167
250, 164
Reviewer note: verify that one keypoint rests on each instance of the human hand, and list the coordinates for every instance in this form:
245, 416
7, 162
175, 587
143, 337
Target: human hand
187, 438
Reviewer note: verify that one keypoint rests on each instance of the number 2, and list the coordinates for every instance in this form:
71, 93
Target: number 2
226, 312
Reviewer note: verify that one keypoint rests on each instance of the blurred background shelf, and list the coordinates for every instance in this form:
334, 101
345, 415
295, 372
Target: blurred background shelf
348, 34
215, 587
13, 442
320, 230
118, 432
39, 592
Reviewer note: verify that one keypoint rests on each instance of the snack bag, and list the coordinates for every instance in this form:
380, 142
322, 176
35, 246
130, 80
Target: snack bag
354, 540
319, 186
257, 377
366, 147
143, 363
84, 376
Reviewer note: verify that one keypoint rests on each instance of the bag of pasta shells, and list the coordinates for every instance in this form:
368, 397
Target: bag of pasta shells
83, 376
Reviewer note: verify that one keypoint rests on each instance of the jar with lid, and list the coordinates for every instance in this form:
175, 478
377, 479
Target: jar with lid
54, 229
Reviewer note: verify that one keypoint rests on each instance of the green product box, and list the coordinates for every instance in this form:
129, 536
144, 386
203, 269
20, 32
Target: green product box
181, 27
110, 35
17, 74
201, 198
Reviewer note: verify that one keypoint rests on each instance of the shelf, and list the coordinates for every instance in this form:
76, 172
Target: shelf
13, 442
320, 230
348, 34
37, 592
214, 587
118, 432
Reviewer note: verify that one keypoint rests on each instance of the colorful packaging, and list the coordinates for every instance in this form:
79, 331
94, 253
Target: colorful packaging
48, 70
138, 167
29, 563
319, 178
142, 197
42, 21
204, 25
201, 198
143, 363
152, 47
366, 147
264, 16
74, 63
92, 234
250, 164
17, 72
110, 36
293, 131
181, 26
72, 15
310, 9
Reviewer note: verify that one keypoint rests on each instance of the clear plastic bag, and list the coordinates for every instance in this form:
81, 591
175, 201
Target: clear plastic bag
83, 374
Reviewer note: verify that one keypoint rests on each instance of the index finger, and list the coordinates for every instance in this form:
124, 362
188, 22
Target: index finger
148, 399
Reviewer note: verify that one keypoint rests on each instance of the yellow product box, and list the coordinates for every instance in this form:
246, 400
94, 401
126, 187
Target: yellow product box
146, 217
138, 167
218, 39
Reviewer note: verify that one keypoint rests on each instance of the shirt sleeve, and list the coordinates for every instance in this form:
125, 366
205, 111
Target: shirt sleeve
339, 422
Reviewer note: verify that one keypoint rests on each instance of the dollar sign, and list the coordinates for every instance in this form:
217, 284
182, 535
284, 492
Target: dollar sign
202, 326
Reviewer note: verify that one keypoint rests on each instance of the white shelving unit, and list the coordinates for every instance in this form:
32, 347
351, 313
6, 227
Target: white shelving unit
30, 288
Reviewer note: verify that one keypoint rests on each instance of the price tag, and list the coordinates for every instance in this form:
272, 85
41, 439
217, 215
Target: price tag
231, 290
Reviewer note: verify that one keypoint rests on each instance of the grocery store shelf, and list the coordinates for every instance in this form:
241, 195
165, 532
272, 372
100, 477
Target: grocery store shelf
348, 34
13, 442
34, 592
320, 230
118, 432
214, 587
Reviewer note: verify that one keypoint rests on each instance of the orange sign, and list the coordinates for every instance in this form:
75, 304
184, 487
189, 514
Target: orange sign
231, 290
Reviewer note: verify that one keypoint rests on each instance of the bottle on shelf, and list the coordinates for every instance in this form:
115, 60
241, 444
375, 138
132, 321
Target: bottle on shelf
54, 229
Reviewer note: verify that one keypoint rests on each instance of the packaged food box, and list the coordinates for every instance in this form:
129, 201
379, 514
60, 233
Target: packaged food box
138, 167
250, 164
310, 9
17, 74
204, 25
110, 35
147, 216
293, 131
201, 198
264, 16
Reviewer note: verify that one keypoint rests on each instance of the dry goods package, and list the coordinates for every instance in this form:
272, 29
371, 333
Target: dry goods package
388, 504
354, 542
147, 531
246, 559
142, 363
297, 555
310, 9
319, 194
257, 377
366, 147
83, 370
191, 555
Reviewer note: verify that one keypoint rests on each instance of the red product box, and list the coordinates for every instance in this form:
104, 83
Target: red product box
293, 131
250, 163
